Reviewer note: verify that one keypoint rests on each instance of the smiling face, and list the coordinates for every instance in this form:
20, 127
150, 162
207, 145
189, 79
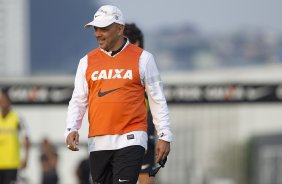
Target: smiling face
109, 38
4, 103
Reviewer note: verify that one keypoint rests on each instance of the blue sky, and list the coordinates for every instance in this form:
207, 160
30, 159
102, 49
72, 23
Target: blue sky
208, 15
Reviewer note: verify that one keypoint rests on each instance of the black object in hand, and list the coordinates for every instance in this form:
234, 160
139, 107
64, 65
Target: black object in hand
155, 169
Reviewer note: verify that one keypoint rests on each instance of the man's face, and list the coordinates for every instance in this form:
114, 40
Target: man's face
4, 102
108, 37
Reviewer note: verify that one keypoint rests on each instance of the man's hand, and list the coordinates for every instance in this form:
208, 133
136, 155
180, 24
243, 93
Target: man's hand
27, 145
23, 164
73, 140
162, 150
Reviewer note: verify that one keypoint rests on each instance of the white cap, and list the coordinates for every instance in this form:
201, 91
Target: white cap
105, 16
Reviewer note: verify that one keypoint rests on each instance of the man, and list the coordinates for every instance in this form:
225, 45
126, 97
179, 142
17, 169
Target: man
10, 127
135, 36
111, 81
82, 171
49, 162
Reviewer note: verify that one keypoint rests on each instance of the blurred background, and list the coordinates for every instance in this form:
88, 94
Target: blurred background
221, 63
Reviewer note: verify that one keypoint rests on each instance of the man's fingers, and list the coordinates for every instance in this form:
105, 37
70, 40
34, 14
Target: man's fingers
72, 141
76, 138
73, 148
158, 159
163, 149
165, 155
159, 156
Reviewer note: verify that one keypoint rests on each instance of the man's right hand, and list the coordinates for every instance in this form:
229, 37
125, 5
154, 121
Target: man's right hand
73, 140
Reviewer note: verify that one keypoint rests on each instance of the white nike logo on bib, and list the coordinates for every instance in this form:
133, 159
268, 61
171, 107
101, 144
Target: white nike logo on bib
145, 166
119, 180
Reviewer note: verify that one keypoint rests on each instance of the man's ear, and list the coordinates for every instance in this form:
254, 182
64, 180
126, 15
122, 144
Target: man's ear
120, 29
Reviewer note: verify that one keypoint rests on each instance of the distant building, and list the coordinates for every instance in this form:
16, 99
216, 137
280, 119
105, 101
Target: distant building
58, 38
44, 37
14, 44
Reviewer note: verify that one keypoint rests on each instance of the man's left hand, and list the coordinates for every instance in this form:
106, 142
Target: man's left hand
162, 150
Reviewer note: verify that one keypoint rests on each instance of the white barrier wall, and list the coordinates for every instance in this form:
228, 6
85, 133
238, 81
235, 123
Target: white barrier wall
210, 141
205, 136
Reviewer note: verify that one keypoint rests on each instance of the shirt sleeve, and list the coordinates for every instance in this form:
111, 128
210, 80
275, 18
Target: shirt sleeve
151, 79
24, 130
79, 100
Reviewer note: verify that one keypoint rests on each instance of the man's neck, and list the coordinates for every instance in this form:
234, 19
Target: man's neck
112, 53
5, 112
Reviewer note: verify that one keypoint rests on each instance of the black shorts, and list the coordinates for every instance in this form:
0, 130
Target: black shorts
8, 176
116, 166
149, 158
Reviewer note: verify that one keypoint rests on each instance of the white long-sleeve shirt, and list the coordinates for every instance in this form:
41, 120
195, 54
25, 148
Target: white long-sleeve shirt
150, 78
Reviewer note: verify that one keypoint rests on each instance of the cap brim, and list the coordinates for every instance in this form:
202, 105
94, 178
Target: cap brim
98, 24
